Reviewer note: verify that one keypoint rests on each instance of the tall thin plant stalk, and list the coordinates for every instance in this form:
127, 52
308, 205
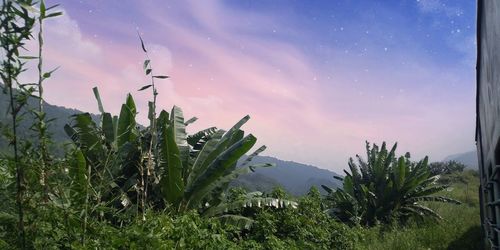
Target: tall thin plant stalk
41, 123
152, 151
15, 28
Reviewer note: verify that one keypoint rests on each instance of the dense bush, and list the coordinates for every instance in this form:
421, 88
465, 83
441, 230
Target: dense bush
385, 188
306, 227
447, 167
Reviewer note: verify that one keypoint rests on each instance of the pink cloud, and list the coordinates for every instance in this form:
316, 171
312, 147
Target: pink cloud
222, 73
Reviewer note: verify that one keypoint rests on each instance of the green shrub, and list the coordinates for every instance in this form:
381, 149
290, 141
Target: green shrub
385, 189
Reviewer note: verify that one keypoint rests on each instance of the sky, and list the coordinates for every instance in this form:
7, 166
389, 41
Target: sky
318, 78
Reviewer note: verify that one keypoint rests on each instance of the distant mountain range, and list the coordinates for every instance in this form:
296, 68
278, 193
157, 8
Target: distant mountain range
468, 158
294, 177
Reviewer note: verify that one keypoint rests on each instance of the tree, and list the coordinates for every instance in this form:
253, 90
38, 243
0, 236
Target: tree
189, 170
448, 167
385, 187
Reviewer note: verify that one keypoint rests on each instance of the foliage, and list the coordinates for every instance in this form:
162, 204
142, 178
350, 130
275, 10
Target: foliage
189, 171
459, 229
306, 227
240, 208
439, 168
385, 188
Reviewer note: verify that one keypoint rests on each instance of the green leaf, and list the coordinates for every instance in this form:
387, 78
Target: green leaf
238, 221
180, 136
208, 151
98, 98
108, 128
218, 167
400, 172
172, 184
77, 173
223, 181
193, 119
52, 7
161, 77
42, 9
254, 154
212, 149
327, 189
151, 111
28, 57
87, 137
126, 122
198, 139
54, 14
145, 87
48, 74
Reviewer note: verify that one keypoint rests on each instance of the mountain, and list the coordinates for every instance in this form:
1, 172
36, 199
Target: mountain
59, 116
468, 158
296, 178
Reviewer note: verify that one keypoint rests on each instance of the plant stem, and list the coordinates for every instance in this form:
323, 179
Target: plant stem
41, 126
151, 155
17, 165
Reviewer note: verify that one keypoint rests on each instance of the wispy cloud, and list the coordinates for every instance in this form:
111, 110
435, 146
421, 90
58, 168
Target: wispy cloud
438, 6
225, 62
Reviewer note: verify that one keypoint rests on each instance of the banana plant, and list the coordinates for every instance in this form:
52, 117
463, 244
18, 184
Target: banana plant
189, 170
385, 187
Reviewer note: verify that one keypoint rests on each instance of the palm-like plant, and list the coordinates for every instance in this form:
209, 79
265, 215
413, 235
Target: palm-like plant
384, 187
189, 170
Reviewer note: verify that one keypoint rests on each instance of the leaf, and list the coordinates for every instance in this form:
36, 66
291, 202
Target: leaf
107, 128
53, 6
126, 122
87, 137
254, 154
42, 9
145, 87
218, 167
208, 151
238, 221
98, 98
172, 184
151, 111
142, 43
223, 181
78, 176
146, 63
48, 74
258, 202
327, 189
180, 136
193, 119
198, 139
54, 14
148, 71
28, 57
161, 77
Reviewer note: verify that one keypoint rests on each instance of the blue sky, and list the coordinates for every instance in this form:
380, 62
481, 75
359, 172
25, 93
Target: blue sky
318, 77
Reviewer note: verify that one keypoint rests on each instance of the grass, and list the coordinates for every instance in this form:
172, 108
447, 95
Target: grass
459, 229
